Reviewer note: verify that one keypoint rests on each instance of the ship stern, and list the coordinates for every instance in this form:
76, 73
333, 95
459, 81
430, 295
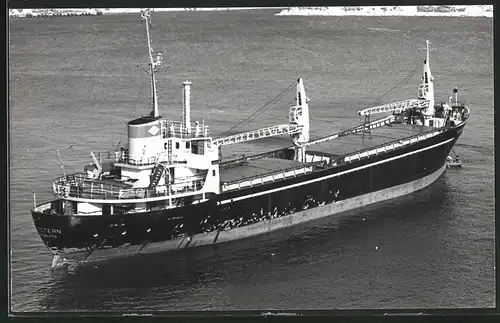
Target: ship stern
54, 229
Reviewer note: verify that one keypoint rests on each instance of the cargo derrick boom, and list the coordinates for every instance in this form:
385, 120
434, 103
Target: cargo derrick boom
395, 107
272, 131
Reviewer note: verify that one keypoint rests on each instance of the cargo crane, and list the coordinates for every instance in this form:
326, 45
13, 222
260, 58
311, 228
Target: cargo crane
277, 130
298, 127
395, 107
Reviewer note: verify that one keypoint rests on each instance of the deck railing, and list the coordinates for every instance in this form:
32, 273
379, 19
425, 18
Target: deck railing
80, 186
382, 148
271, 176
124, 157
177, 129
375, 150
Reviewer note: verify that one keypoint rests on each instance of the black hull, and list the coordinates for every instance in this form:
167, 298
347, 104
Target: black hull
251, 211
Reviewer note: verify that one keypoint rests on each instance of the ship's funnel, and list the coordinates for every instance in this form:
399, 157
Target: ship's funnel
187, 105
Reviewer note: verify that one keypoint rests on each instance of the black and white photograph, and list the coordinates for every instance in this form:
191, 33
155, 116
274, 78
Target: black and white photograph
266, 159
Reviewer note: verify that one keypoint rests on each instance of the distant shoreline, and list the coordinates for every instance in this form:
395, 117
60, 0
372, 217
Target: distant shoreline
45, 13
405, 11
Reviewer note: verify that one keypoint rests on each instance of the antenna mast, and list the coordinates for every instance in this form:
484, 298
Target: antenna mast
61, 163
146, 16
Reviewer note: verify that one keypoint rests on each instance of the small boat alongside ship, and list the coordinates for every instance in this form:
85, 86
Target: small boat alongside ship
453, 161
170, 188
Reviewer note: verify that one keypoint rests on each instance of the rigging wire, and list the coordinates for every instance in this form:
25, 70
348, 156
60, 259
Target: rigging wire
133, 112
79, 159
405, 79
279, 96
251, 116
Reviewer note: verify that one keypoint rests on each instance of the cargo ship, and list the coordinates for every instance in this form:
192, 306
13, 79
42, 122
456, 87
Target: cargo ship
169, 187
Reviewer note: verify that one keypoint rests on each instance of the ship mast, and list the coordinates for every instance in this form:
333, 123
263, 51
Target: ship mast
426, 89
146, 16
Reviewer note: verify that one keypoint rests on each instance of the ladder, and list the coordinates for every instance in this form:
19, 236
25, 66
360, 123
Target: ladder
258, 134
366, 127
169, 151
155, 177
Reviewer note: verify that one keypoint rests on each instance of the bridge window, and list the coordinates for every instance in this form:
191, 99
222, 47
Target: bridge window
213, 172
198, 147
188, 144
177, 145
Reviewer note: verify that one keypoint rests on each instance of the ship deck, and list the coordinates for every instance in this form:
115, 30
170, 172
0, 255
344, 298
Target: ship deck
349, 144
249, 171
256, 167
333, 148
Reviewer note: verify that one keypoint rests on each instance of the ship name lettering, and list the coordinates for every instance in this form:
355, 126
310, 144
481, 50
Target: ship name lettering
46, 235
50, 230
